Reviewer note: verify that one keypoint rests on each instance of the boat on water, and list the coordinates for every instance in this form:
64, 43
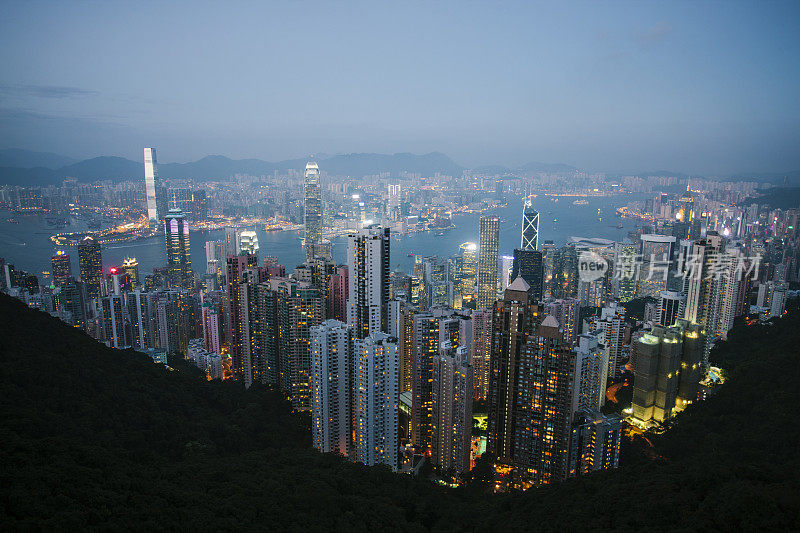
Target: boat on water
580, 202
619, 226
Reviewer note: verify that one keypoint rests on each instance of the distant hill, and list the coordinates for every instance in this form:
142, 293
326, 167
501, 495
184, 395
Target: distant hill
363, 164
221, 167
546, 167
777, 198
103, 168
14, 157
97, 438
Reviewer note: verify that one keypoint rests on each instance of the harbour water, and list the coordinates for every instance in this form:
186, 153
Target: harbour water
27, 243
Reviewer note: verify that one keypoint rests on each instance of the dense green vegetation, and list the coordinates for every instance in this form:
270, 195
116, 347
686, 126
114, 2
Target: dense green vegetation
97, 438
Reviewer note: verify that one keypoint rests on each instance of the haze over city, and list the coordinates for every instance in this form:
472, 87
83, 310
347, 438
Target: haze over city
370, 266
698, 88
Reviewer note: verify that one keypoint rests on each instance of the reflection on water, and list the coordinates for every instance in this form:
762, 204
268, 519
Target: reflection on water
28, 246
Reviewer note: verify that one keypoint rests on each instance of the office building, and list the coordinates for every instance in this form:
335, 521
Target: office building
467, 275
130, 268
62, 267
368, 271
528, 265
656, 253
153, 186
530, 227
313, 207
625, 272
90, 265
247, 242
488, 242
179, 260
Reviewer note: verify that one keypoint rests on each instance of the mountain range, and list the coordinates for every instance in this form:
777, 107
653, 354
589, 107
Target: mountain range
24, 167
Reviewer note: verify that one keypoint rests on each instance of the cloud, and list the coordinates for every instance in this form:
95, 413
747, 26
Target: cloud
654, 34
46, 91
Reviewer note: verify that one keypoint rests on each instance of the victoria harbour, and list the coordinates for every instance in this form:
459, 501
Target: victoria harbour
28, 241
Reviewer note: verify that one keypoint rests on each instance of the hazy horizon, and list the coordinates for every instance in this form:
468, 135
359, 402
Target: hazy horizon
699, 88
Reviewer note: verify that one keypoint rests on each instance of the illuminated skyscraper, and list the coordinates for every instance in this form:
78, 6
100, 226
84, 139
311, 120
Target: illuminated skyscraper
152, 185
516, 317
62, 267
176, 235
247, 242
468, 270
656, 252
667, 364
528, 265
488, 242
368, 271
313, 206
130, 266
671, 306
451, 431
530, 227
90, 264
376, 400
331, 386
235, 265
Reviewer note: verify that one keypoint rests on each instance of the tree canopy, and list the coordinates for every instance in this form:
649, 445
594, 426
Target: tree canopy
92, 437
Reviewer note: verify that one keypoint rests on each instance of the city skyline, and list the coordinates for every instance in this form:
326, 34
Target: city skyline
372, 341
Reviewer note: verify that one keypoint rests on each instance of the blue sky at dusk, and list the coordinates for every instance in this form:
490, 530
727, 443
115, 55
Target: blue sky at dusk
699, 87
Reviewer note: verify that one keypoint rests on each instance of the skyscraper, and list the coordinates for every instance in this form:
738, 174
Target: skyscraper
90, 265
368, 271
515, 317
451, 431
376, 400
130, 267
667, 364
152, 185
671, 306
247, 242
235, 266
566, 311
656, 252
488, 242
468, 269
331, 386
176, 235
313, 206
481, 352
62, 267
530, 227
528, 265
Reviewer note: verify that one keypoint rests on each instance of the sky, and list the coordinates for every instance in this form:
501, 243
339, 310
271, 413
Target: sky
695, 87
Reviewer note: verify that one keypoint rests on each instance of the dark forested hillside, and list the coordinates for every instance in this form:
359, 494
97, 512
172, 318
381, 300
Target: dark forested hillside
97, 438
